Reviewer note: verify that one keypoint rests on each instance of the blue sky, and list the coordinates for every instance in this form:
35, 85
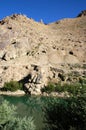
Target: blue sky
48, 10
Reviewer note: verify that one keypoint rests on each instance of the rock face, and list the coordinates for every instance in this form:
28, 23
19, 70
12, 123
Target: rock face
83, 13
35, 54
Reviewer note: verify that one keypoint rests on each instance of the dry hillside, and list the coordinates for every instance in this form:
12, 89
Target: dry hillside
34, 53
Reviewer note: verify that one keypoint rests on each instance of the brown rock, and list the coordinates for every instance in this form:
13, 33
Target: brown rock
28, 47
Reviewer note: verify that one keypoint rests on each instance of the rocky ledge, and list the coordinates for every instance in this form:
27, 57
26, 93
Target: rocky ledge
18, 92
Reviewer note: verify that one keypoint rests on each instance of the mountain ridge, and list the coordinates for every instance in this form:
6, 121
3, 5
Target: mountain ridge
43, 51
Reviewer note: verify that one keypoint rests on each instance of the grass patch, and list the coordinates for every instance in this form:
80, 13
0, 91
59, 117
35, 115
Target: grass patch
12, 86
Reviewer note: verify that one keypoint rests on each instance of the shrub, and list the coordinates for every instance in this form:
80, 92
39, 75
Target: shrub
10, 121
76, 88
21, 124
50, 88
6, 112
60, 88
84, 66
53, 87
12, 86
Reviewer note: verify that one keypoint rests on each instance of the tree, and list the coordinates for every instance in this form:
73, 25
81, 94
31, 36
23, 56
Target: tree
66, 114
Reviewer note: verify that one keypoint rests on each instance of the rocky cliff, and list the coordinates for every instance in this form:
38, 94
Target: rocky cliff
34, 53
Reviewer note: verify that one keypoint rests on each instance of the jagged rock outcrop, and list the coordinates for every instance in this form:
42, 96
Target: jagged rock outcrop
83, 13
34, 53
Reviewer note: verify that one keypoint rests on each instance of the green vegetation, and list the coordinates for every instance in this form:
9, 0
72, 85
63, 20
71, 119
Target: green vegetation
65, 114
10, 121
12, 86
76, 88
84, 66
59, 113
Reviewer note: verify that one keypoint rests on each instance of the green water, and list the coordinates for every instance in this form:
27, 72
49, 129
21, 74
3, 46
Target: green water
29, 106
